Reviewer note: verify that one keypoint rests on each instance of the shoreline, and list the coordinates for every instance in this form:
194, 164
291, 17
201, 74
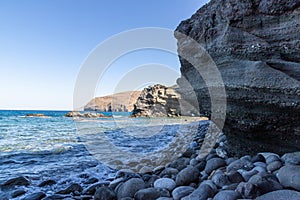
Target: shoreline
215, 176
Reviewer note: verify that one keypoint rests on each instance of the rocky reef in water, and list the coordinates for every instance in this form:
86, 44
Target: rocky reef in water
256, 46
119, 102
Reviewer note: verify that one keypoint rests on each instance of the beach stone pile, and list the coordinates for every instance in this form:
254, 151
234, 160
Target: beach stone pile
265, 176
217, 176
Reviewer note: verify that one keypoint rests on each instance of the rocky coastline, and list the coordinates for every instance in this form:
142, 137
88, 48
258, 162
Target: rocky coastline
217, 176
255, 45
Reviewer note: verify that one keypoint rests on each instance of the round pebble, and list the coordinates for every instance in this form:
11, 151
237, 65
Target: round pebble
181, 192
165, 183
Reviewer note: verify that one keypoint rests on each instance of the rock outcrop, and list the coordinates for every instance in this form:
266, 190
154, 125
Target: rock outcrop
36, 115
157, 101
120, 102
84, 115
256, 47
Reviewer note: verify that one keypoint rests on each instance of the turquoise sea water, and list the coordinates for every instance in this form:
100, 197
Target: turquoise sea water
55, 147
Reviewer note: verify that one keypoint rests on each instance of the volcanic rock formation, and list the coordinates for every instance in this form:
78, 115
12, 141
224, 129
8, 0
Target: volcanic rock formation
256, 46
157, 101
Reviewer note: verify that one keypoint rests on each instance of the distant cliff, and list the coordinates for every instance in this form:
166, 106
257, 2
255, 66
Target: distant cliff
120, 102
256, 47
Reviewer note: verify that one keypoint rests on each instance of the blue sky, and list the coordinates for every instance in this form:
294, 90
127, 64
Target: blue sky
44, 42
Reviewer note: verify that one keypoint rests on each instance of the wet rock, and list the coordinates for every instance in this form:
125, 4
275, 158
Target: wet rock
230, 160
227, 195
116, 182
203, 192
247, 174
265, 184
17, 193
280, 194
83, 197
273, 166
92, 188
194, 162
130, 187
240, 164
146, 170
210, 184
187, 175
57, 197
188, 153
126, 173
232, 186
211, 155
36, 115
105, 193
260, 164
150, 180
247, 190
165, 183
151, 193
74, 187
180, 163
158, 170
91, 180
201, 166
258, 158
47, 182
21, 181
84, 175
214, 164
164, 198
220, 179
181, 192
259, 169
292, 158
35, 196
272, 158
235, 177
289, 176
221, 152
169, 171
85, 115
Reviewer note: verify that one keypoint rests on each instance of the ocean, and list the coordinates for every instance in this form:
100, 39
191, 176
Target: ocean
65, 149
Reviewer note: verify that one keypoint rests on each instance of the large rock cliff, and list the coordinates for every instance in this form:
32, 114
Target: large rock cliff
119, 102
158, 101
256, 47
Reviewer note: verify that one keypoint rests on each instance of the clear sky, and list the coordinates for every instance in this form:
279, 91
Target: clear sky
44, 42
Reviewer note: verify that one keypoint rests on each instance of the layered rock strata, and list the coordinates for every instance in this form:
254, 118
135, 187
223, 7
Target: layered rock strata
157, 101
256, 47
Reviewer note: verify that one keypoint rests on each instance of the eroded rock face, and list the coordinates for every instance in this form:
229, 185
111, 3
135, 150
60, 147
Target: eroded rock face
119, 102
157, 101
256, 47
